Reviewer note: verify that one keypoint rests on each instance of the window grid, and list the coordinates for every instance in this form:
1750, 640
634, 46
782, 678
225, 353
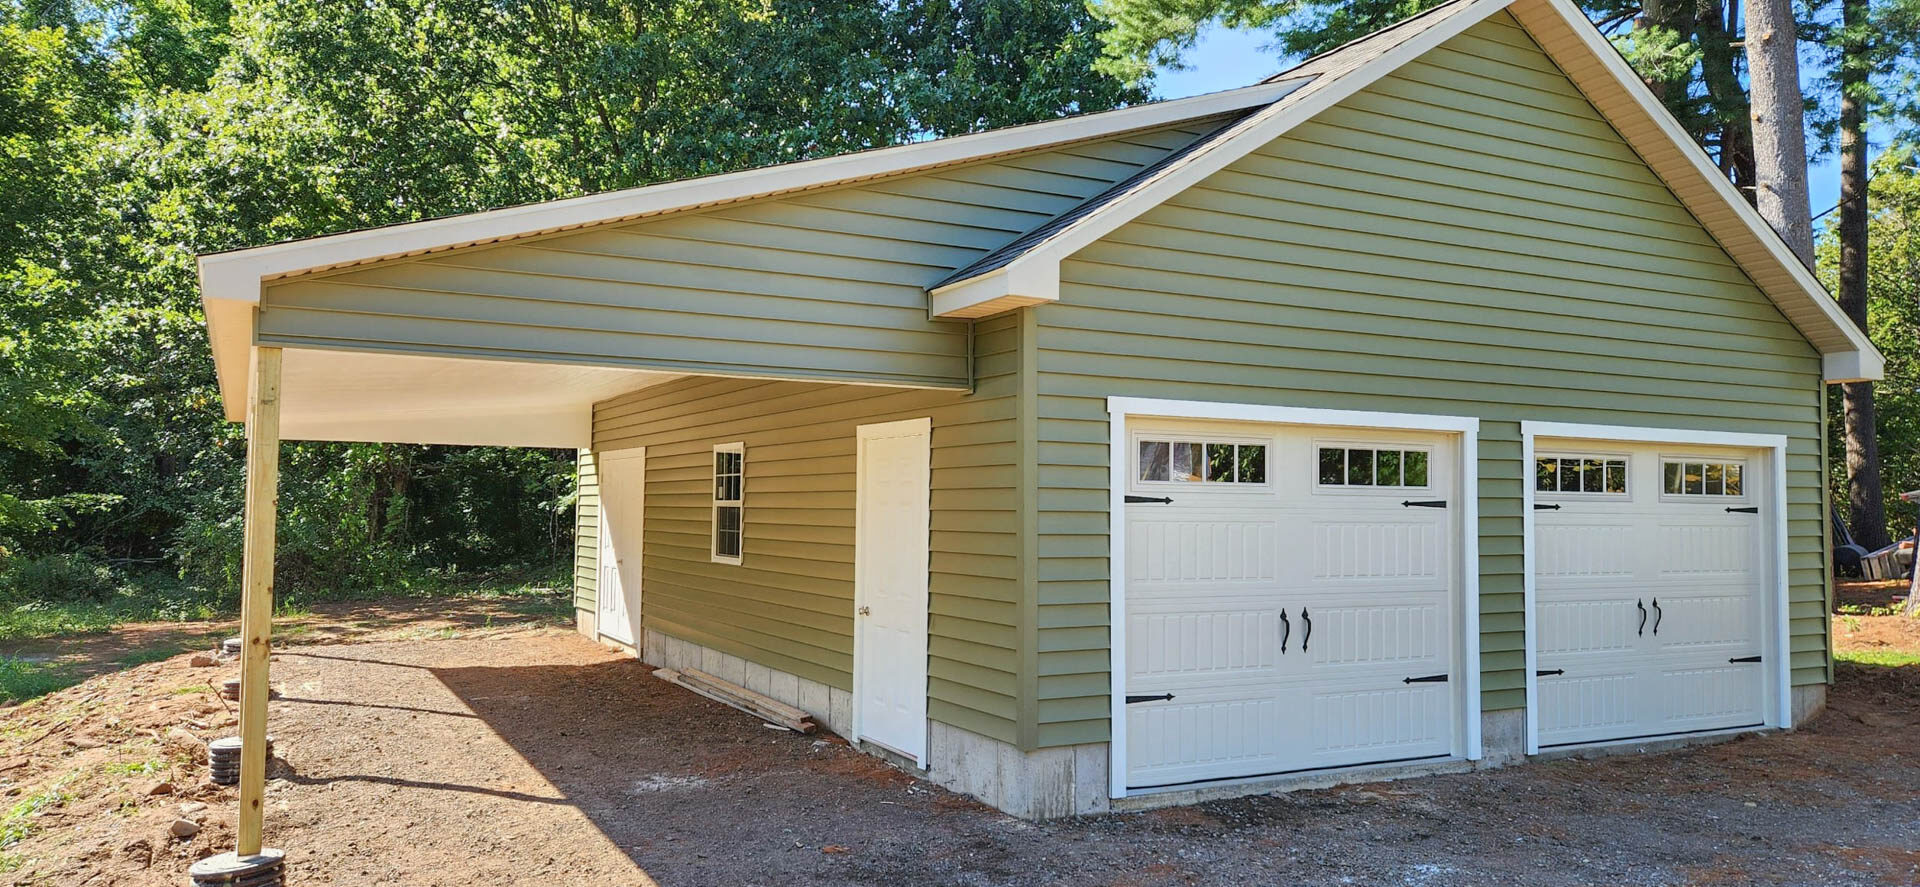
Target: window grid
1188, 461
729, 502
1373, 467
1684, 477
1580, 474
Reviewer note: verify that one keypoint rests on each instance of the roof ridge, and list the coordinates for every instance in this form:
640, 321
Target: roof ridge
1325, 53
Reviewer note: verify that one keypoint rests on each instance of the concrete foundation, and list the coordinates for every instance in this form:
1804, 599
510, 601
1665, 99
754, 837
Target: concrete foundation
1050, 783
1503, 738
1808, 702
831, 707
1042, 784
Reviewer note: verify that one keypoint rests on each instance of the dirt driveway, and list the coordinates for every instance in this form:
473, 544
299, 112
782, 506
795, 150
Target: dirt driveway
540, 758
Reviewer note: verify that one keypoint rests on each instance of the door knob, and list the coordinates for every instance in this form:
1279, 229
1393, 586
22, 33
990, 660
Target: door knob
866, 611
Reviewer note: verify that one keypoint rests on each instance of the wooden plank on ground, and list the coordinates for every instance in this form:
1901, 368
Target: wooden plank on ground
759, 705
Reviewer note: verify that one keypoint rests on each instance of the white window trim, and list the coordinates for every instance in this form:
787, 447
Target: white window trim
1120, 469
713, 516
1778, 646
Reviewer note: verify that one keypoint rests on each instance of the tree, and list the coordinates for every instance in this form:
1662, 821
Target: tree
1871, 54
137, 133
1684, 51
1779, 124
1865, 496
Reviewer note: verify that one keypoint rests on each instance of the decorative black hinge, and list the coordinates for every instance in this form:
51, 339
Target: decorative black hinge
1538, 507
1751, 509
1542, 674
1745, 659
1161, 698
1163, 500
1429, 679
1424, 503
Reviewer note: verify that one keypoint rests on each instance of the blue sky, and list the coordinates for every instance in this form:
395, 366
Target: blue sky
1225, 59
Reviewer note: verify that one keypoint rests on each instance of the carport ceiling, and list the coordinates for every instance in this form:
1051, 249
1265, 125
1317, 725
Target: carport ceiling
365, 396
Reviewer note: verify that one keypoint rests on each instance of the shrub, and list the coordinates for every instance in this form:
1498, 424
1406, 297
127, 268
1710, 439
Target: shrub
64, 577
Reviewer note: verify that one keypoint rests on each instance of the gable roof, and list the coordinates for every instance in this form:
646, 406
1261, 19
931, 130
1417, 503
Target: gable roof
1027, 271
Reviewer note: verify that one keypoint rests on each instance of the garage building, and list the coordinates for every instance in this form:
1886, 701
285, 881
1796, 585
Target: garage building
1433, 404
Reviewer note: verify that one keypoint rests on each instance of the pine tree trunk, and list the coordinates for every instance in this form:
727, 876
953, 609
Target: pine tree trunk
1865, 499
1779, 125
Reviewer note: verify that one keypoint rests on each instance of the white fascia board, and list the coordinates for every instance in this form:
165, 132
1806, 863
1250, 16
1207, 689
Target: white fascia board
1867, 363
237, 275
1030, 284
1264, 127
1853, 366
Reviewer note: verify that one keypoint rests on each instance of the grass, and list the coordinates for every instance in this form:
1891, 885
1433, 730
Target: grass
21, 680
1881, 658
533, 593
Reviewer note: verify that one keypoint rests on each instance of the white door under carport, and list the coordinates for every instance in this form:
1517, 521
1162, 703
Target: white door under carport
623, 491
1651, 569
1291, 599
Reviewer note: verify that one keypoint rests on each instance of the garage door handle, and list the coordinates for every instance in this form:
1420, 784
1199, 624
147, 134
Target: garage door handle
1429, 679
1750, 509
1538, 507
1424, 503
1163, 500
1643, 618
1286, 629
1309, 636
1745, 659
1658, 615
1160, 698
1550, 671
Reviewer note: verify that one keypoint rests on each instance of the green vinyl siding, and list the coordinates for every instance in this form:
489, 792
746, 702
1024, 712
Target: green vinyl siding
1467, 237
586, 534
789, 604
825, 285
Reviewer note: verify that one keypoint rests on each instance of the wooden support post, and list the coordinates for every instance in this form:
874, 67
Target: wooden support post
256, 602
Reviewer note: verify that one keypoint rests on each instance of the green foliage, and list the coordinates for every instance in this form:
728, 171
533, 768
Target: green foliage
1893, 322
135, 134
21, 680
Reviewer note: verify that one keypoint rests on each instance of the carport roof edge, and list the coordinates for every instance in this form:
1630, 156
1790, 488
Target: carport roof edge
230, 281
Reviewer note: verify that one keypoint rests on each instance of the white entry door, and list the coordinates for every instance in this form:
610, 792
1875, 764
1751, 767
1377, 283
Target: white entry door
623, 491
1289, 599
890, 586
1649, 573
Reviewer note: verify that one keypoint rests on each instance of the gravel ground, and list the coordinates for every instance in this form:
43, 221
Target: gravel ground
540, 758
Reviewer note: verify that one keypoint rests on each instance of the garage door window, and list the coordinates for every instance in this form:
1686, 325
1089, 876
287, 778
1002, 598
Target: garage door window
1687, 478
1189, 461
1353, 466
1580, 474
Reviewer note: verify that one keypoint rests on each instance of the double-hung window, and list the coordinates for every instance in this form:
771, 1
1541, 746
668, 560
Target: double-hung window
729, 501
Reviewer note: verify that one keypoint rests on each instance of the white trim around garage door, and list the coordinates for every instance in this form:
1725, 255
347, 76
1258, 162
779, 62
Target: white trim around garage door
1120, 409
1778, 648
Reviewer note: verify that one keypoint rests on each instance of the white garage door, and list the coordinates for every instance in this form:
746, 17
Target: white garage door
1649, 600
1289, 599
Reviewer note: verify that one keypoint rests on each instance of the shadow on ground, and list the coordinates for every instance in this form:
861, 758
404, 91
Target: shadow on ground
692, 792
